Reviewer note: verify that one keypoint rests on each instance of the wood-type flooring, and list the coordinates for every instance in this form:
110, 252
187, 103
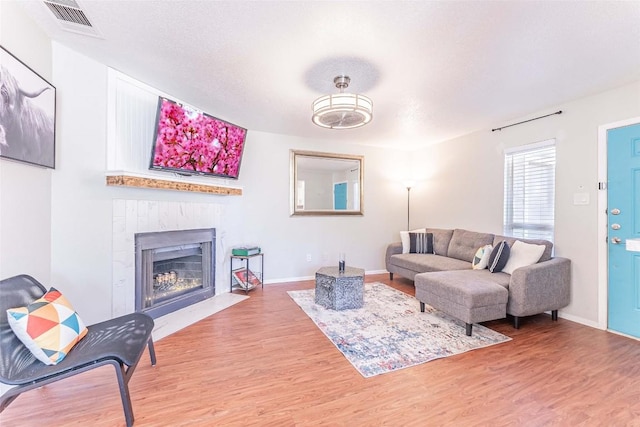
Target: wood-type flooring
263, 362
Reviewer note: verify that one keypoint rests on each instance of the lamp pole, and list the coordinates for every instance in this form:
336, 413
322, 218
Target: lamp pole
408, 199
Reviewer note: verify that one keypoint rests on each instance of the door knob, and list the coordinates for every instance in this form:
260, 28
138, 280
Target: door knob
615, 211
616, 240
615, 226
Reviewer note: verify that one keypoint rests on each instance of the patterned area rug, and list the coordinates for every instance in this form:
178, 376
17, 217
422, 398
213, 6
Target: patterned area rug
390, 332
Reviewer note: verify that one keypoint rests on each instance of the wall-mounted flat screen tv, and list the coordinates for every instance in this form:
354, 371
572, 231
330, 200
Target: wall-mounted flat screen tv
188, 141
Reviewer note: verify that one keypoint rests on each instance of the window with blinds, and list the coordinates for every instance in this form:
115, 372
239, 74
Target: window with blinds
529, 190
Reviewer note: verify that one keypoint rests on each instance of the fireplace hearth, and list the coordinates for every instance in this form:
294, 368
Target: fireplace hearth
174, 269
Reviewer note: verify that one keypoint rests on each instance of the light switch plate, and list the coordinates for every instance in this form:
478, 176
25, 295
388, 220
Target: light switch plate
580, 198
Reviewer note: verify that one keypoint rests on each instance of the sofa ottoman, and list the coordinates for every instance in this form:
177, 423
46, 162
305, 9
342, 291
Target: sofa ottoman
470, 299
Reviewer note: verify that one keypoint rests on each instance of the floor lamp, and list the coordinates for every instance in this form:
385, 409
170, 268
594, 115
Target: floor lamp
408, 184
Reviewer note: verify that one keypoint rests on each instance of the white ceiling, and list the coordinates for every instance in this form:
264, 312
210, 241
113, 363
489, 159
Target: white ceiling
434, 69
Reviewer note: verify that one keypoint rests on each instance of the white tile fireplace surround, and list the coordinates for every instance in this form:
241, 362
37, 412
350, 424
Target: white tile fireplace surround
139, 216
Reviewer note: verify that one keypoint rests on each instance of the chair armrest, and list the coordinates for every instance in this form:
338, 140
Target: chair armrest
540, 287
392, 249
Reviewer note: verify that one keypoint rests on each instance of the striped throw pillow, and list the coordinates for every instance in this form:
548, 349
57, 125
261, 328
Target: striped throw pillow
499, 257
421, 243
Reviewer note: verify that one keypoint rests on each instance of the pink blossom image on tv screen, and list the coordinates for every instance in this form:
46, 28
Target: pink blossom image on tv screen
190, 140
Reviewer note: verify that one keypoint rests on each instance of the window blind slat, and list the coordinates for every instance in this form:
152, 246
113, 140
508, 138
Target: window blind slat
529, 191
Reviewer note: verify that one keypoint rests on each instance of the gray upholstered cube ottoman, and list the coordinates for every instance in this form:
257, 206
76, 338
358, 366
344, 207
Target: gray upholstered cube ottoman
340, 291
470, 299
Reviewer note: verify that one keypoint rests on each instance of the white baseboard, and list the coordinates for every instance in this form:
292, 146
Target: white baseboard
303, 278
288, 279
580, 320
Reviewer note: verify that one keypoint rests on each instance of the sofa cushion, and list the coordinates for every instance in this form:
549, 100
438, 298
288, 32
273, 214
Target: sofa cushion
422, 263
502, 279
464, 289
499, 257
420, 243
465, 243
441, 239
481, 258
522, 254
546, 255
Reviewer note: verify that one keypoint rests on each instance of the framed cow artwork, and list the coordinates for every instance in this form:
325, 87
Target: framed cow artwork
27, 113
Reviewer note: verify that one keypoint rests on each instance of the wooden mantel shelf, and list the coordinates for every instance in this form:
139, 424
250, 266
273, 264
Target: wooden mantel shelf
132, 180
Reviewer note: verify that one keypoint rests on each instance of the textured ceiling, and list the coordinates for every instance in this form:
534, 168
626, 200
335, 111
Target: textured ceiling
434, 70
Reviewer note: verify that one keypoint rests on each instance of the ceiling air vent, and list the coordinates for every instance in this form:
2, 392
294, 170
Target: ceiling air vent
71, 17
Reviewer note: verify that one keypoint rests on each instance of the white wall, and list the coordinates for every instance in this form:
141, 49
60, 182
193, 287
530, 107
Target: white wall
82, 213
463, 182
263, 211
25, 190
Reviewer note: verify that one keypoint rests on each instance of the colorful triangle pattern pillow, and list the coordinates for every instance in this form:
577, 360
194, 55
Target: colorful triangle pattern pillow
49, 326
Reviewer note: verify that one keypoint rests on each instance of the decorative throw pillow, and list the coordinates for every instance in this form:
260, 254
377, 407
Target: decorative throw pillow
499, 257
481, 258
404, 238
420, 243
523, 254
49, 327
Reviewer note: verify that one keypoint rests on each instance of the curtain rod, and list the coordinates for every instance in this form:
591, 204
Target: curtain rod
519, 123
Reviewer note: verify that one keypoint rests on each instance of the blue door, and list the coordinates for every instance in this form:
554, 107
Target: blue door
340, 196
623, 223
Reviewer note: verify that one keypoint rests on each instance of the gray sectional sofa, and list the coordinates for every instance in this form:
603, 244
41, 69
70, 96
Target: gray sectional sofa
446, 280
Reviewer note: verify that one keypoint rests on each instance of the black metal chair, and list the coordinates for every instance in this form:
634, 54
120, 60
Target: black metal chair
119, 342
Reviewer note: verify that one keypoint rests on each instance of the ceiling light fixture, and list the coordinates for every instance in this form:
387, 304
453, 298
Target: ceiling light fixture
342, 110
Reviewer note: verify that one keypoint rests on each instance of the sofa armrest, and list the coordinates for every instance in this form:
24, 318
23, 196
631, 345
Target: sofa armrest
392, 249
540, 287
